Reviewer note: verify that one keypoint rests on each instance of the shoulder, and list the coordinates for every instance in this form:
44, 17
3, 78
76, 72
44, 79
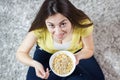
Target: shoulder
87, 30
38, 32
85, 21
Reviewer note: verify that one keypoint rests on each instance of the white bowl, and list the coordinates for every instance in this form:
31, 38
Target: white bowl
70, 57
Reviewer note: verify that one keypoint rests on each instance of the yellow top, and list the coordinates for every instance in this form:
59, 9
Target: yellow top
45, 40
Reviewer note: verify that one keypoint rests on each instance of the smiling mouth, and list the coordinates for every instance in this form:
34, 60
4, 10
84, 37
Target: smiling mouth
59, 36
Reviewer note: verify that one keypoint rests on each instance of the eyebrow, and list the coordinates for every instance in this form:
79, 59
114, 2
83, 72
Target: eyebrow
59, 22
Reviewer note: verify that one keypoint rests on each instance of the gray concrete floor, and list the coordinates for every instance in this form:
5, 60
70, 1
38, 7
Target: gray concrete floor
15, 20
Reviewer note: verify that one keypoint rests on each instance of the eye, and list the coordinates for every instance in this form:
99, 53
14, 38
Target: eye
63, 24
51, 26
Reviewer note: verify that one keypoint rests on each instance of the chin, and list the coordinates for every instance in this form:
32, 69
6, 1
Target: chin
59, 39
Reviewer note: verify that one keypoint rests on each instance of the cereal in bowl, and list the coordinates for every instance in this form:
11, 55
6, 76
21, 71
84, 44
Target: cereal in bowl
62, 64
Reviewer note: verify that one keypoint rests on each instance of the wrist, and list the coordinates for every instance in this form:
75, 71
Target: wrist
84, 54
78, 57
34, 62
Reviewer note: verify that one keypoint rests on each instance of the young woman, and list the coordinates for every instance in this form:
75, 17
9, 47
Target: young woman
60, 26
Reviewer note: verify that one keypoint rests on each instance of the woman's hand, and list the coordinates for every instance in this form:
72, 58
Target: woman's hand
83, 54
87, 49
40, 72
77, 59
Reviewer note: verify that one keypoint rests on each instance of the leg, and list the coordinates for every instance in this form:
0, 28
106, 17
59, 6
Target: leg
31, 75
87, 69
91, 67
78, 74
42, 57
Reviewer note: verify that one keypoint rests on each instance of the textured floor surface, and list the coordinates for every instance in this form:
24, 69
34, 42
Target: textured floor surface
17, 15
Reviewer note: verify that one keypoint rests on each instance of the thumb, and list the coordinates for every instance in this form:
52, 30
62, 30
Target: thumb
40, 72
47, 73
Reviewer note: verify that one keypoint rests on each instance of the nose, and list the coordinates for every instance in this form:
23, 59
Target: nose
58, 30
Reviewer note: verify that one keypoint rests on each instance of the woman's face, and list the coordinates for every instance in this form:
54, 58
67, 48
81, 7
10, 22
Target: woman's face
59, 26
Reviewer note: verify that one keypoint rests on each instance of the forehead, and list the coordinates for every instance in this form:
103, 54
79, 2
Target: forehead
56, 18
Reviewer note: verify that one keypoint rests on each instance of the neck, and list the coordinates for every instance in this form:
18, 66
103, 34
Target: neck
58, 41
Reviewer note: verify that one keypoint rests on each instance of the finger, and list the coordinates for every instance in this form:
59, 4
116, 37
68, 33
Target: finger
40, 73
47, 73
76, 60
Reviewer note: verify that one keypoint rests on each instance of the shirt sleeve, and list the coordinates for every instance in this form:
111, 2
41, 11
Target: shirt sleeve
38, 33
88, 30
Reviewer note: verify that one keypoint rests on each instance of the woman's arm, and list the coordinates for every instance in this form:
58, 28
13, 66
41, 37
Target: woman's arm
88, 48
23, 55
24, 49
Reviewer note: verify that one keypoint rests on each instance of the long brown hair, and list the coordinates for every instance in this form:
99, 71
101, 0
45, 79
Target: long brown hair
64, 7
